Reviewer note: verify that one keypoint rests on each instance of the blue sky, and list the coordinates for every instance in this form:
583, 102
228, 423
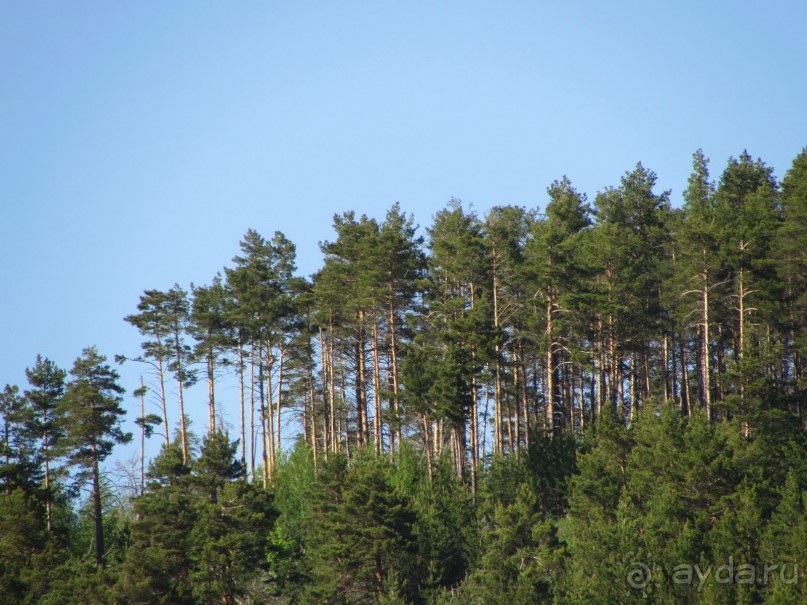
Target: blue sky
139, 141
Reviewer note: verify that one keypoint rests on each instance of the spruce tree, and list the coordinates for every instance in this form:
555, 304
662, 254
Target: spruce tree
233, 519
157, 566
359, 536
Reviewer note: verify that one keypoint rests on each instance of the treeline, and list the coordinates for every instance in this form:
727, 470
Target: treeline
570, 406
492, 326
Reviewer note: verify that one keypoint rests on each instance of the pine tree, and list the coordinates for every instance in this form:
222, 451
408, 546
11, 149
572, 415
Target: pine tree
260, 312
790, 243
47, 383
91, 415
554, 274
402, 265
702, 274
152, 321
633, 237
748, 215
347, 289
460, 325
210, 330
505, 231
17, 461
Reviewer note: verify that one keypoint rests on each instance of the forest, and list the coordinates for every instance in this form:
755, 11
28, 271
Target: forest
600, 402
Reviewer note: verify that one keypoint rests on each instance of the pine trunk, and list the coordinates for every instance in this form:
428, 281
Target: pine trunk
377, 418
706, 363
211, 392
182, 426
96, 501
280, 371
395, 377
241, 406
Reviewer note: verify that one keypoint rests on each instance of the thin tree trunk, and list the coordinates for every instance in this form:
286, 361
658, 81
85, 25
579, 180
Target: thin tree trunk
594, 389
521, 393
252, 402
241, 406
142, 453
46, 456
675, 393
549, 386
485, 415
581, 385
182, 426
280, 367
741, 348
344, 425
332, 391
707, 379
363, 430
211, 392
474, 417
377, 418
685, 399
312, 415
163, 400
266, 433
427, 445
96, 499
508, 422
96, 504
720, 368
326, 409
395, 378
614, 370
268, 418
497, 389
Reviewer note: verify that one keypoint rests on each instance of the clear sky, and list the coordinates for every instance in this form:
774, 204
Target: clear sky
139, 141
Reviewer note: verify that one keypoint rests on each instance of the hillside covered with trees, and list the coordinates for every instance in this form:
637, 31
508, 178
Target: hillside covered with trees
602, 402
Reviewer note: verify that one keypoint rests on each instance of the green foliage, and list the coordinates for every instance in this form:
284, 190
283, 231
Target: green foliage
22, 536
683, 498
582, 405
522, 558
201, 531
359, 533
446, 529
